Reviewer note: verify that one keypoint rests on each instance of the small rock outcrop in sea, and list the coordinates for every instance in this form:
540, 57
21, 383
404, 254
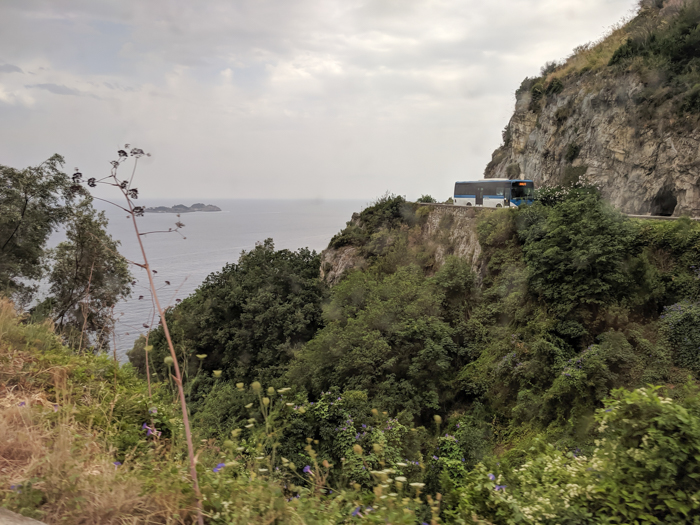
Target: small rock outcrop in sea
181, 208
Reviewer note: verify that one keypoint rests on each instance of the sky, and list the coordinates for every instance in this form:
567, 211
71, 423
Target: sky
278, 99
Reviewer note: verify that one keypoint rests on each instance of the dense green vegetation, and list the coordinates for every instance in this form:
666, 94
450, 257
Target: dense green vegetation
419, 387
669, 47
86, 274
443, 375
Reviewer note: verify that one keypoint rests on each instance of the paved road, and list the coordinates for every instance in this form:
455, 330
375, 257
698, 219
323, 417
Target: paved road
651, 217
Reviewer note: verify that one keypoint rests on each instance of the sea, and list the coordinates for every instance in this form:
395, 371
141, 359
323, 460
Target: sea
207, 242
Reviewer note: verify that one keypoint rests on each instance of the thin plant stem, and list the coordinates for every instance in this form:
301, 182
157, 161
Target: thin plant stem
145, 351
178, 376
127, 192
87, 299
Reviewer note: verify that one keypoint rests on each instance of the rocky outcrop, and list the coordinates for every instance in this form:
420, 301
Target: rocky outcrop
452, 230
623, 113
592, 129
445, 230
10, 518
181, 208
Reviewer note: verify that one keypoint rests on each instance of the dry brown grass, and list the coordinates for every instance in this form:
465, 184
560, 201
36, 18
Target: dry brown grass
52, 467
593, 56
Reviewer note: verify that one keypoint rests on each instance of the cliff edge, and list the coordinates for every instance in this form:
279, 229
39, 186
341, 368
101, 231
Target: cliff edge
621, 113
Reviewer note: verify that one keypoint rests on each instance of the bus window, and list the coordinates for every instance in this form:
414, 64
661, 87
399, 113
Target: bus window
522, 190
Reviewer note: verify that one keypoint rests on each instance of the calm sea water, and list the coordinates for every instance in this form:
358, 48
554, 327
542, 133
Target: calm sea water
211, 241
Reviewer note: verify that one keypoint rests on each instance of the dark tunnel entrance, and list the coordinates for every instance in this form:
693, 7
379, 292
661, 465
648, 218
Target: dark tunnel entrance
665, 202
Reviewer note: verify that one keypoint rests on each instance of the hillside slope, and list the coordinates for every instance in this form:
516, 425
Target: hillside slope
622, 113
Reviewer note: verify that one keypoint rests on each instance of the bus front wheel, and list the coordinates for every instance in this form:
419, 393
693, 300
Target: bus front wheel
499, 206
469, 204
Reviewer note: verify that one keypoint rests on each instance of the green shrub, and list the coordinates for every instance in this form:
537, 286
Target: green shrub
572, 175
384, 335
248, 318
513, 171
426, 198
681, 323
572, 151
562, 114
387, 212
643, 470
578, 252
554, 87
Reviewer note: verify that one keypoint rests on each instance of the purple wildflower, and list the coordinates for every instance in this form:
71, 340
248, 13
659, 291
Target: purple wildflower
55, 408
435, 458
218, 467
307, 469
356, 513
491, 477
22, 404
500, 487
117, 464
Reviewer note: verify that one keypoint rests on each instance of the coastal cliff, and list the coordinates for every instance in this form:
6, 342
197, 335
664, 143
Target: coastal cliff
434, 230
621, 113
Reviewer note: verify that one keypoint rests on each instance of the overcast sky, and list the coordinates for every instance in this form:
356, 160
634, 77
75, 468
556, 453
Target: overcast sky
278, 98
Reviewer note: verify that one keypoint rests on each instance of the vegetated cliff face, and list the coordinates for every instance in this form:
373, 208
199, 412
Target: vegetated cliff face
445, 230
621, 113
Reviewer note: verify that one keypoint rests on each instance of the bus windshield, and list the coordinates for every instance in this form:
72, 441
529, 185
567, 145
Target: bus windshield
522, 190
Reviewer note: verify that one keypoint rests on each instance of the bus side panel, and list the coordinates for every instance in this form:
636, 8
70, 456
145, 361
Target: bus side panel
464, 200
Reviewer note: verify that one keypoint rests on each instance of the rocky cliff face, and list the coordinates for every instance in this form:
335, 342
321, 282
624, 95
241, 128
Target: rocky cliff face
619, 127
445, 230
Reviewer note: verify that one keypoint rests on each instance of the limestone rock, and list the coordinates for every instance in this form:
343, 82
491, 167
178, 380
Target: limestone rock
594, 126
10, 518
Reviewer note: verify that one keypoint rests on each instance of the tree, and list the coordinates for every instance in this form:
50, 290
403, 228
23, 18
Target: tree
385, 335
88, 277
33, 202
579, 252
249, 317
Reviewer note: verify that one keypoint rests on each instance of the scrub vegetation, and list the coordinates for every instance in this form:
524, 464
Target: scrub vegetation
557, 384
660, 45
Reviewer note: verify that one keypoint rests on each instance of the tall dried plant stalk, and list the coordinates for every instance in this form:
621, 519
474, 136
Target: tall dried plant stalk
130, 193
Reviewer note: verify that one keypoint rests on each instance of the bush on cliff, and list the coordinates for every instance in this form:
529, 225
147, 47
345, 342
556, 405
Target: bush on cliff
248, 318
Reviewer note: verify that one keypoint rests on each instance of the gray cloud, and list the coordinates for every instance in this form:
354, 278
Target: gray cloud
270, 98
56, 89
9, 68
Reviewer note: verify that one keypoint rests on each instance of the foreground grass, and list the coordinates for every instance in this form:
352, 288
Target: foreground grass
81, 443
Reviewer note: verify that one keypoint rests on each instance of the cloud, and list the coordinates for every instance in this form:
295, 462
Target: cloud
56, 89
271, 98
9, 68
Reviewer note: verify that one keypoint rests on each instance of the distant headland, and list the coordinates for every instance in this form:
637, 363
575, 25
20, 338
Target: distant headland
181, 208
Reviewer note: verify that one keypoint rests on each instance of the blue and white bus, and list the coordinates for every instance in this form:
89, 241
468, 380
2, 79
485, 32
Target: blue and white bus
494, 193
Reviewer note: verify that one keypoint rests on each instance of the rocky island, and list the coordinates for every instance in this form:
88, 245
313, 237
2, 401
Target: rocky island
181, 208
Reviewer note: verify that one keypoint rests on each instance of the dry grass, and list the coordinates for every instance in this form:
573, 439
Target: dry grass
593, 56
51, 466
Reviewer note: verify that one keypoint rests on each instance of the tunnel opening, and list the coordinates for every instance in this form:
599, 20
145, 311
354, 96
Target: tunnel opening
664, 202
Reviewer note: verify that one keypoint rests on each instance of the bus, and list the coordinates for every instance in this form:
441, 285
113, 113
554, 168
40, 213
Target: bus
494, 193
